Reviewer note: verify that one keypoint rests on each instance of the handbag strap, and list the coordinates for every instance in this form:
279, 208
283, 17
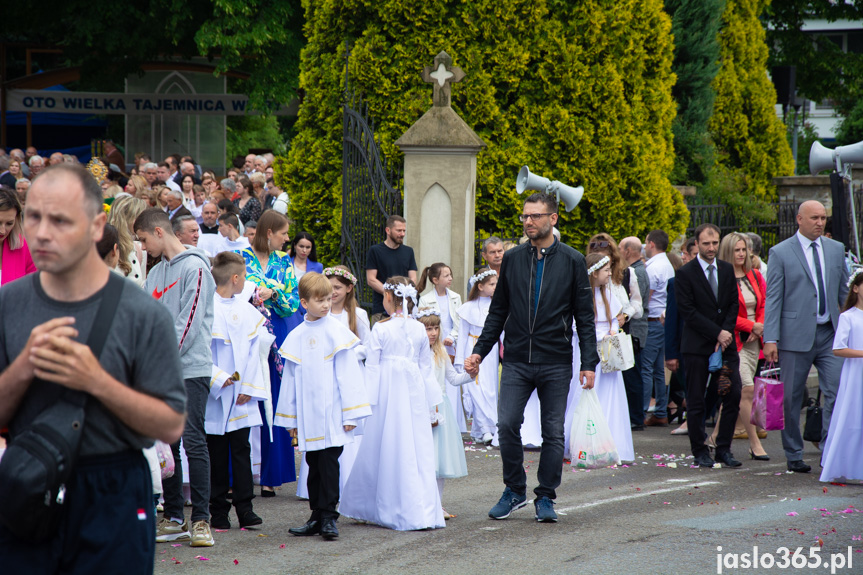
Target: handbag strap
101, 326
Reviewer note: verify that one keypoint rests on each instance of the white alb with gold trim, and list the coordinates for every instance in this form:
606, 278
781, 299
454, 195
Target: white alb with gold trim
235, 343
322, 384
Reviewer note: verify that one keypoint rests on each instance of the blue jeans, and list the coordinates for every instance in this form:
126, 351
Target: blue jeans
195, 442
653, 369
517, 382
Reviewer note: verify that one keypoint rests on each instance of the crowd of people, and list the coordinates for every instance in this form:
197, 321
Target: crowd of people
238, 347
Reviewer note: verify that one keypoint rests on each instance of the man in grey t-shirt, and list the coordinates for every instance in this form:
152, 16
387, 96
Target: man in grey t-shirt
135, 386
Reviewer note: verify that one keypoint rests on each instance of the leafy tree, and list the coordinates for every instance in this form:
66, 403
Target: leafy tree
824, 70
111, 40
695, 27
245, 132
750, 139
580, 92
851, 129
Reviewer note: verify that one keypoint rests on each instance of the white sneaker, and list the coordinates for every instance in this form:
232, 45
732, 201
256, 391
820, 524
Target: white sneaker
201, 535
168, 530
487, 437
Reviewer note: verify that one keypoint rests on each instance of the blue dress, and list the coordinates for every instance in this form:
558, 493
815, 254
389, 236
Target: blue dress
277, 457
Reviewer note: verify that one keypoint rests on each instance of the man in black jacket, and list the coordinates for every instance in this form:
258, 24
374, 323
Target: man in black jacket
543, 287
706, 293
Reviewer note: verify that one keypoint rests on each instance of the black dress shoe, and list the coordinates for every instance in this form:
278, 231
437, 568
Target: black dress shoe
328, 529
310, 528
636, 427
798, 467
268, 493
704, 460
220, 522
727, 459
249, 519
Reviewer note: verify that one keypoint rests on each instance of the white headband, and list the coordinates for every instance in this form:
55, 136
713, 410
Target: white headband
854, 274
598, 265
480, 276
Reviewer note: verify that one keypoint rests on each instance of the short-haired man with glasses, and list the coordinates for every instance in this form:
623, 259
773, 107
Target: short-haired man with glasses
543, 286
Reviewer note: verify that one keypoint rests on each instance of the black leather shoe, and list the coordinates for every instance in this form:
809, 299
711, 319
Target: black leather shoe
220, 522
328, 529
250, 519
727, 459
310, 528
798, 467
704, 461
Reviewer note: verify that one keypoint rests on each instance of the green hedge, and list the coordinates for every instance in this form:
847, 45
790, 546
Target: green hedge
580, 92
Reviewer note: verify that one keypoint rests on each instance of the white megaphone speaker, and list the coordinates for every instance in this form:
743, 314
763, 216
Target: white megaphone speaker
821, 158
527, 181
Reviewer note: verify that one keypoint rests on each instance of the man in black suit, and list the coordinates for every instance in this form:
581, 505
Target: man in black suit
706, 293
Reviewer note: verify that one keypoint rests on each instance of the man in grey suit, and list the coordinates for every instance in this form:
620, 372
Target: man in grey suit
806, 287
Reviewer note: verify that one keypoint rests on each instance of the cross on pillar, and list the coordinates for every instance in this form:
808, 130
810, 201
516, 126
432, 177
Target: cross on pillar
442, 75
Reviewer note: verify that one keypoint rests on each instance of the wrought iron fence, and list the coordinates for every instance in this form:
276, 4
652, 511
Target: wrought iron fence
772, 231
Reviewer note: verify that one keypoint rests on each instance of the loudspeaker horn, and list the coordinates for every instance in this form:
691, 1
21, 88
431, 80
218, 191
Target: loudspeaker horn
527, 181
822, 158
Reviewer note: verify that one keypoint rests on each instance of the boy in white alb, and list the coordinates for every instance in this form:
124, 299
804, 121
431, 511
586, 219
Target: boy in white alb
321, 400
235, 389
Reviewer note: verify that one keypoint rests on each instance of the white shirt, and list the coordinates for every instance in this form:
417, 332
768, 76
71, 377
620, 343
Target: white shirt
659, 271
704, 265
806, 244
173, 185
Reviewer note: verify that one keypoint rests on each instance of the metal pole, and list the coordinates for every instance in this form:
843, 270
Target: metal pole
794, 141
846, 175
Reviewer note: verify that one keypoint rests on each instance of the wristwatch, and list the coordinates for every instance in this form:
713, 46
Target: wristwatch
274, 296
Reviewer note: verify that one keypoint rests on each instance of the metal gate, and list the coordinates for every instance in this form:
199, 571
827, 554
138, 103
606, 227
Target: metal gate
368, 196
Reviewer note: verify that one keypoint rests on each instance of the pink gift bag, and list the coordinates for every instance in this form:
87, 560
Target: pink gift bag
768, 404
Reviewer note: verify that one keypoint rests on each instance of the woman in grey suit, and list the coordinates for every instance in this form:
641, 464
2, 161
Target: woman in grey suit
806, 286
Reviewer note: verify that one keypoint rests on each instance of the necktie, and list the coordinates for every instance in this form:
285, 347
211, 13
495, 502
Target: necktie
822, 298
711, 279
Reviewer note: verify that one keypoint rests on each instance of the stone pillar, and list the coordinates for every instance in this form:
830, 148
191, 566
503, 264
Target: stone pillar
440, 180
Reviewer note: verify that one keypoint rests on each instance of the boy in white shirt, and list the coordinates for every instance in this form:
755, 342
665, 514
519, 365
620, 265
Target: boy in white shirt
235, 389
322, 398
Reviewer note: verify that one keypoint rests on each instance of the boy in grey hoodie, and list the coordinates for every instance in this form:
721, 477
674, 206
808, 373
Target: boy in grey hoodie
182, 281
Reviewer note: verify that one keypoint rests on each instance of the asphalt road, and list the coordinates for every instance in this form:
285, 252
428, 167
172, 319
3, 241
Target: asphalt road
648, 518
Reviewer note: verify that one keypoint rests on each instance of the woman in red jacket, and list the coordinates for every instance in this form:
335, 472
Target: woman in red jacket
751, 292
15, 260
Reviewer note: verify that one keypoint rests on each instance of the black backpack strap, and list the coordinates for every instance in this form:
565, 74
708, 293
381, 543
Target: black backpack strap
105, 315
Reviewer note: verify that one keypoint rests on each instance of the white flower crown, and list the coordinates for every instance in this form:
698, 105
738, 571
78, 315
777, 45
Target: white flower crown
598, 265
342, 273
854, 274
425, 312
480, 276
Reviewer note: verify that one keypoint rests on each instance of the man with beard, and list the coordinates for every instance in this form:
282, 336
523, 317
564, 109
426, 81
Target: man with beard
386, 259
543, 286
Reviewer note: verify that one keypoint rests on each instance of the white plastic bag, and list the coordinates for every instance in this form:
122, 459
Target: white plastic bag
591, 443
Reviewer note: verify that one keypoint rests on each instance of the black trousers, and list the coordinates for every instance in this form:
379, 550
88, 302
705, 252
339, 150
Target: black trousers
323, 482
634, 386
696, 385
107, 526
234, 447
